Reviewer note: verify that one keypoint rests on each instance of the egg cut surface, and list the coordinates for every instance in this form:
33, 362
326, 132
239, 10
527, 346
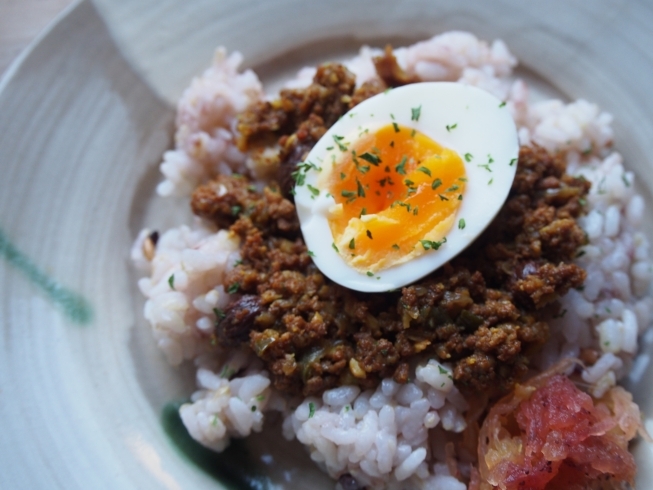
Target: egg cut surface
404, 182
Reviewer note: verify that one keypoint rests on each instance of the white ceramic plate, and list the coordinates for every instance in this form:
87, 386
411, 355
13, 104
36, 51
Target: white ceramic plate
85, 115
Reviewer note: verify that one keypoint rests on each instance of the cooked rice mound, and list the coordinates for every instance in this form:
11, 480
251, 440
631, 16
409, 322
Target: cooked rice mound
421, 434
204, 142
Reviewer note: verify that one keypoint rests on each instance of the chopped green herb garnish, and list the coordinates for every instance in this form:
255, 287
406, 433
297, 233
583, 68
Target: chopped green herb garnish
453, 188
401, 204
436, 183
395, 246
413, 133
342, 176
513, 161
468, 157
348, 194
360, 189
450, 127
352, 244
425, 170
442, 370
415, 210
310, 253
335, 247
369, 234
490, 181
409, 183
370, 274
486, 167
462, 179
370, 157
299, 176
235, 210
363, 212
443, 198
503, 104
329, 148
396, 126
337, 139
460, 197
171, 281
415, 113
429, 244
311, 409
306, 166
219, 314
314, 191
461, 224
233, 288
623, 177
401, 168
238, 262
227, 372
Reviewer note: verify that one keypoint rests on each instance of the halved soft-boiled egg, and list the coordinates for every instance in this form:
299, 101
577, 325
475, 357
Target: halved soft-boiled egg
404, 182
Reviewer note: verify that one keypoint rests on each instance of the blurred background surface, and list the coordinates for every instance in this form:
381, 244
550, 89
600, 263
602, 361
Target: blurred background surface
21, 21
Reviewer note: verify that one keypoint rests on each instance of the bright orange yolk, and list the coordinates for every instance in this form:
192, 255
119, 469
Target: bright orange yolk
394, 189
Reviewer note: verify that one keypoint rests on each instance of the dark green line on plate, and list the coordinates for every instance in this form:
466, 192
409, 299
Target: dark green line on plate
233, 467
74, 306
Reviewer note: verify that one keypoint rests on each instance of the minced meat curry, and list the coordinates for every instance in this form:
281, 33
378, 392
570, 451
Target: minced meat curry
480, 312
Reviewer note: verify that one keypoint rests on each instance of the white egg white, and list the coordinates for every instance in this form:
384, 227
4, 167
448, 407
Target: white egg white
466, 119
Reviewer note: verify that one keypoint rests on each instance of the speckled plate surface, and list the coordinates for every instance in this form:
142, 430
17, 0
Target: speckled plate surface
85, 115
